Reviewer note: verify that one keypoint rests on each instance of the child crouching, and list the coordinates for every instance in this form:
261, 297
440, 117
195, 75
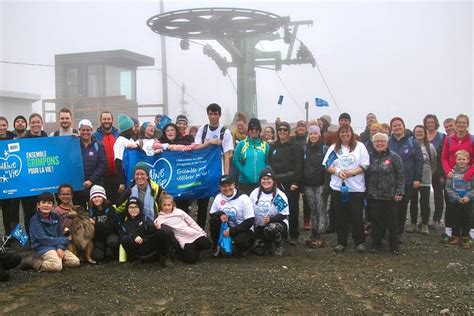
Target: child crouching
139, 237
47, 239
102, 214
190, 236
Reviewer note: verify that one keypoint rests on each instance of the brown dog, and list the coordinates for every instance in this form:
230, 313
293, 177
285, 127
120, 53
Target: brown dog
81, 232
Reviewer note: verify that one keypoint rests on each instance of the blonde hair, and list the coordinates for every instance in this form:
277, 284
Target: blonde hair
463, 153
464, 116
166, 196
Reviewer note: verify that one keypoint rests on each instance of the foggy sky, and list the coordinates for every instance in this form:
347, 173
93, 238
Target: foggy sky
393, 58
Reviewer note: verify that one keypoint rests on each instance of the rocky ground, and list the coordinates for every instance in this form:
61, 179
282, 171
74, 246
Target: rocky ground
429, 277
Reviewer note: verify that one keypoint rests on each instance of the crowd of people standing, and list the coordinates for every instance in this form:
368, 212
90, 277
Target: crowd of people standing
343, 180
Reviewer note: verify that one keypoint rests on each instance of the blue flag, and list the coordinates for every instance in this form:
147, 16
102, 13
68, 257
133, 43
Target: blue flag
321, 102
332, 157
19, 235
225, 242
280, 100
165, 120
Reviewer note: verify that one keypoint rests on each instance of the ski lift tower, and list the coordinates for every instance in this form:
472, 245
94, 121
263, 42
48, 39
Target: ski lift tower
238, 31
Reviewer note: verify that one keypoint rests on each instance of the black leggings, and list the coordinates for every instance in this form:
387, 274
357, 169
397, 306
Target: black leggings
10, 215
202, 212
424, 205
384, 216
191, 251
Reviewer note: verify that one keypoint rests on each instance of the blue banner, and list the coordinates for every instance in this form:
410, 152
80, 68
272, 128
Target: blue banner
185, 175
321, 102
31, 166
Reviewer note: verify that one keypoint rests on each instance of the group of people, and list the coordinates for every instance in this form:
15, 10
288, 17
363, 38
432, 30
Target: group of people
342, 178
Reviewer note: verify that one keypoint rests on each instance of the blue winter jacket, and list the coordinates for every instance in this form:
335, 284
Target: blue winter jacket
46, 233
94, 160
99, 134
412, 157
250, 158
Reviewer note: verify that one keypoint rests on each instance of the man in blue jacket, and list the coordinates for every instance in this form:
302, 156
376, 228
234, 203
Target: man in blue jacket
412, 159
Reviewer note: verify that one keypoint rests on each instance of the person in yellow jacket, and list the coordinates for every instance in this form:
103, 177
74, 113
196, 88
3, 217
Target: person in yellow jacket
147, 191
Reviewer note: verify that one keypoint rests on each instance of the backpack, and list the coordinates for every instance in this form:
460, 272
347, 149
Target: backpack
204, 133
75, 131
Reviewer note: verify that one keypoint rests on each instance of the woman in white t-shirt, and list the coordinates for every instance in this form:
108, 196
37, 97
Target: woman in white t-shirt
346, 161
271, 210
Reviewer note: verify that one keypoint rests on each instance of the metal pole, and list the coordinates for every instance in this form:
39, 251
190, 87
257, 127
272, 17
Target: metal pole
164, 67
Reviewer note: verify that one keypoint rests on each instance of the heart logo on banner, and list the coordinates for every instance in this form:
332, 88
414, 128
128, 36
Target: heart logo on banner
161, 172
10, 167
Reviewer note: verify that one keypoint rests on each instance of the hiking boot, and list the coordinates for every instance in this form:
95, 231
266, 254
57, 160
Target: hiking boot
454, 241
315, 243
307, 224
424, 229
368, 229
339, 248
260, 251
216, 252
466, 243
411, 228
395, 252
293, 241
31, 261
278, 251
360, 248
165, 261
374, 250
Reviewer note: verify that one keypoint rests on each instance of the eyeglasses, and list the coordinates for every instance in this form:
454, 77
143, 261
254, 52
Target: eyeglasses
283, 129
253, 128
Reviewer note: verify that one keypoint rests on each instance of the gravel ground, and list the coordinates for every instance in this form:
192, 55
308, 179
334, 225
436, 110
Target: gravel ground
429, 277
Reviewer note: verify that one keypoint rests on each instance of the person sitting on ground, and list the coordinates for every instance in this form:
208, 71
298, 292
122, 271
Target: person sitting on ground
65, 195
102, 215
191, 237
47, 240
145, 189
271, 210
236, 209
460, 193
139, 237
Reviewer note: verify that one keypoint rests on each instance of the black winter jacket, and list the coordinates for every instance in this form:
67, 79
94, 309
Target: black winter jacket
313, 171
139, 226
286, 161
385, 176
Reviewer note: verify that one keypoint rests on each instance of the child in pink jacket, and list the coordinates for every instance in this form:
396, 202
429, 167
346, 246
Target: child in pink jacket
190, 236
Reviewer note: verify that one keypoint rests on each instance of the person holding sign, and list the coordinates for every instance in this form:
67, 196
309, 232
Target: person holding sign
10, 217
232, 207
215, 134
35, 122
271, 210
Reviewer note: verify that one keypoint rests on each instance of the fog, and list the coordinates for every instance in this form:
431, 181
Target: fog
393, 58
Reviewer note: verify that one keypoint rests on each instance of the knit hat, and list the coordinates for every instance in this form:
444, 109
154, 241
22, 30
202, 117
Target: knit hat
97, 190
143, 166
301, 123
135, 121
397, 118
314, 129
326, 118
284, 123
134, 200
124, 123
345, 116
226, 179
267, 172
20, 117
182, 118
84, 122
254, 123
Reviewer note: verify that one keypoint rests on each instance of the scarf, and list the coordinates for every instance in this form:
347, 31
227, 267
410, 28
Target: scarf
148, 203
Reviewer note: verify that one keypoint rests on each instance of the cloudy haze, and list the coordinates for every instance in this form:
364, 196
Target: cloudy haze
387, 57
